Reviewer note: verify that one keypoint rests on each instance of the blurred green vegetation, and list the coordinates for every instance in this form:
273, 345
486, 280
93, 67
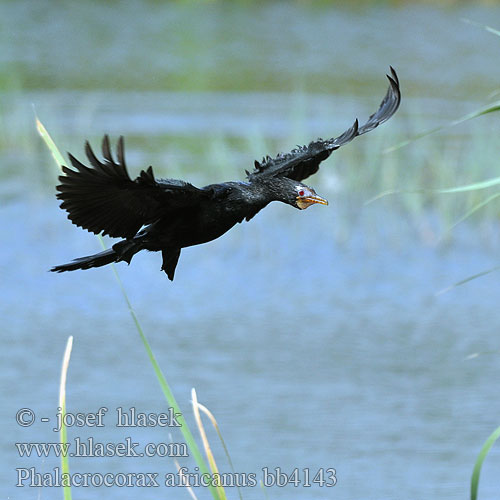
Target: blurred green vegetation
92, 67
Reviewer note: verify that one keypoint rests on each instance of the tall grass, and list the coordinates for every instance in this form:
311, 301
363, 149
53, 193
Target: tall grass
472, 187
62, 404
165, 387
478, 201
474, 485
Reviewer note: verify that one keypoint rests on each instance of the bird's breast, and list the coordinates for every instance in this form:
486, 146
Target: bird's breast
207, 225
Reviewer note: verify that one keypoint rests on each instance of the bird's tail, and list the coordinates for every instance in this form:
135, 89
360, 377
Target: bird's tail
123, 250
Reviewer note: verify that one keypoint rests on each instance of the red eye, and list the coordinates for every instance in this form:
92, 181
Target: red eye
301, 192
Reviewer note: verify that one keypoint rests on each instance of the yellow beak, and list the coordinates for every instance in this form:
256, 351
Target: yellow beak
307, 201
315, 199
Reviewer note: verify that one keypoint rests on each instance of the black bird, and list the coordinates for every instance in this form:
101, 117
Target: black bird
167, 215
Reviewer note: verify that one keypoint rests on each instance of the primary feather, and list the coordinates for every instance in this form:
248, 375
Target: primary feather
304, 161
104, 199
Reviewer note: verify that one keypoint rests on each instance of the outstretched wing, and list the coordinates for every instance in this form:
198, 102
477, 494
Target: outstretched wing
304, 161
104, 199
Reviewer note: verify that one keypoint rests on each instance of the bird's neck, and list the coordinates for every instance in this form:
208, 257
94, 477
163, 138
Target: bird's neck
275, 189
264, 191
254, 196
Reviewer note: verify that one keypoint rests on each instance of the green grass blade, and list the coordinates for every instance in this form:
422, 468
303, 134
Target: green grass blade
188, 436
264, 490
482, 353
490, 108
383, 194
474, 483
63, 437
206, 444
169, 396
474, 209
213, 420
470, 278
58, 157
475, 186
484, 26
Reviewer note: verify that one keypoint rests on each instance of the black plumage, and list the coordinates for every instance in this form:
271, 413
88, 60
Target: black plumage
167, 215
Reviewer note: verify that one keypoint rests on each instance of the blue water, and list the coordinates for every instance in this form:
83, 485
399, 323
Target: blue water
310, 355
318, 339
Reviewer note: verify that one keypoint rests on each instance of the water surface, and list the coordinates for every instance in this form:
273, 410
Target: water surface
317, 338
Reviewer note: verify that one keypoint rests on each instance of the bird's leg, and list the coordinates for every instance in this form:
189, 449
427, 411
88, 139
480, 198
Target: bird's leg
126, 249
170, 259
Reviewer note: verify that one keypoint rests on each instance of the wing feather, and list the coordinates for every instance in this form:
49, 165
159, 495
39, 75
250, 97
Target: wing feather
304, 161
104, 199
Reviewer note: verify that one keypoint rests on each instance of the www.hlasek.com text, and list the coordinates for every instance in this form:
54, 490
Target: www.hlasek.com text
91, 448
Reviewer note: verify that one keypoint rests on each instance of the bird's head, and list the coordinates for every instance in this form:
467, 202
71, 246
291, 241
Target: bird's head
298, 195
291, 192
306, 196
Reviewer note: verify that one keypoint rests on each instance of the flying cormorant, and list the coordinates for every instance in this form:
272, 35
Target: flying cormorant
167, 215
